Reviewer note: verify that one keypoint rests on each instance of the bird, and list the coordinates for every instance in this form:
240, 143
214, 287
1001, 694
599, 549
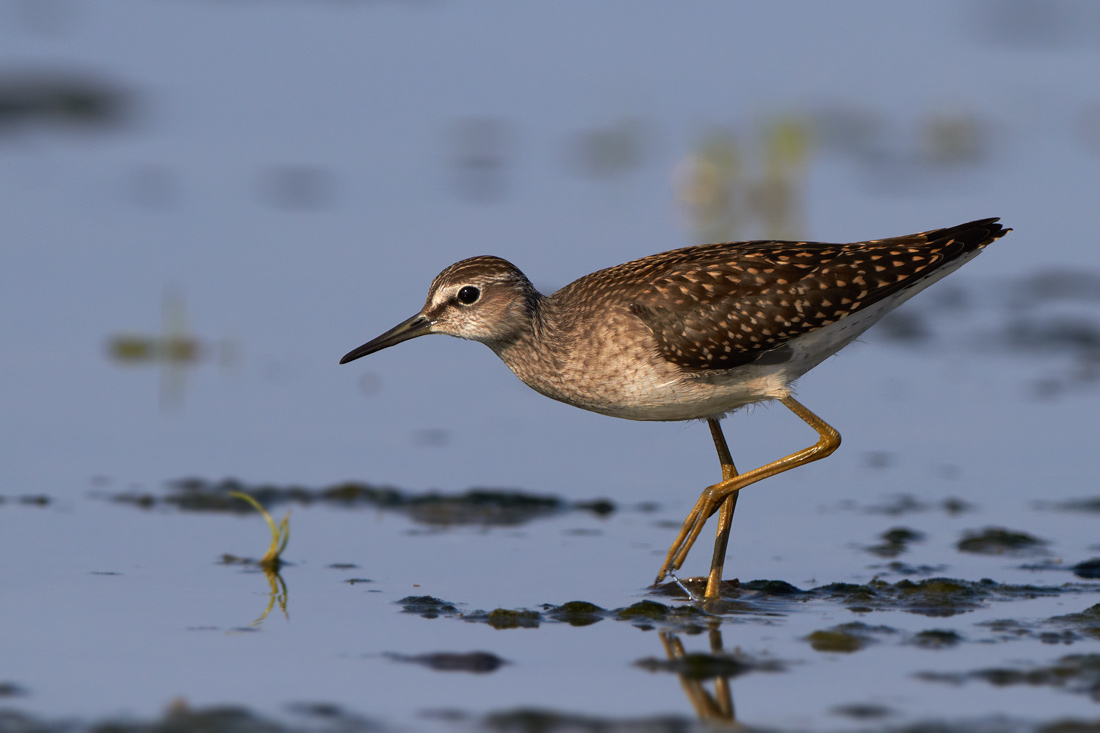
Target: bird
692, 334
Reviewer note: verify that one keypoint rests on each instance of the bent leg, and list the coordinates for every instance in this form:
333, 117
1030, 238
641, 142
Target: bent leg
713, 496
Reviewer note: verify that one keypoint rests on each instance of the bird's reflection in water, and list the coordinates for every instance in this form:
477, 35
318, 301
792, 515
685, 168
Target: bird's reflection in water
711, 708
695, 669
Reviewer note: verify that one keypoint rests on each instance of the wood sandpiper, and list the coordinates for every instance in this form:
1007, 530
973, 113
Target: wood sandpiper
692, 334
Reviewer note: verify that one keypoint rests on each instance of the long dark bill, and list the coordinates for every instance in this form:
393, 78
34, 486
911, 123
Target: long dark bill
418, 325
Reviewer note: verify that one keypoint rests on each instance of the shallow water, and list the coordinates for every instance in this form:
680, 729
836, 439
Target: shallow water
176, 623
193, 239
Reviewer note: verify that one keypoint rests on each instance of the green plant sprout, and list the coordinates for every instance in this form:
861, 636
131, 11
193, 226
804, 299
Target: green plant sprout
280, 533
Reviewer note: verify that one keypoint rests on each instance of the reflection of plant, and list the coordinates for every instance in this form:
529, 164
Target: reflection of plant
278, 594
280, 534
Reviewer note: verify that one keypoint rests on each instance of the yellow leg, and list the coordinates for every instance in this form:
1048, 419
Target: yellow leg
713, 496
725, 512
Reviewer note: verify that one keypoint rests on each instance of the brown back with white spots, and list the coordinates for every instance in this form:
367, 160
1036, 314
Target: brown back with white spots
719, 306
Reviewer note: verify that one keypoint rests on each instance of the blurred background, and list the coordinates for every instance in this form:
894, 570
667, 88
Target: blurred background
205, 204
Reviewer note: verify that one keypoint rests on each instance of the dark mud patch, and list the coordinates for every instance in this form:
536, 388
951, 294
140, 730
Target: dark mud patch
357, 581
935, 596
848, 638
428, 606
482, 507
1087, 505
218, 719
577, 613
475, 662
929, 597
1064, 629
936, 639
39, 500
644, 614
852, 637
903, 568
895, 541
1000, 541
1087, 568
1006, 630
46, 99
1072, 626
765, 600
1076, 673
862, 711
506, 618
11, 689
908, 504
837, 641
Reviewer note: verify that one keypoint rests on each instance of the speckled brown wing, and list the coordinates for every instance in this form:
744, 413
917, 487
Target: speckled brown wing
720, 306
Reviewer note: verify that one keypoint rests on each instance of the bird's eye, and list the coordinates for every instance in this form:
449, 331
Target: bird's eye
468, 295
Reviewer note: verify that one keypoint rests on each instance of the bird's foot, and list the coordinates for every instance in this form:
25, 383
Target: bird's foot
687, 591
